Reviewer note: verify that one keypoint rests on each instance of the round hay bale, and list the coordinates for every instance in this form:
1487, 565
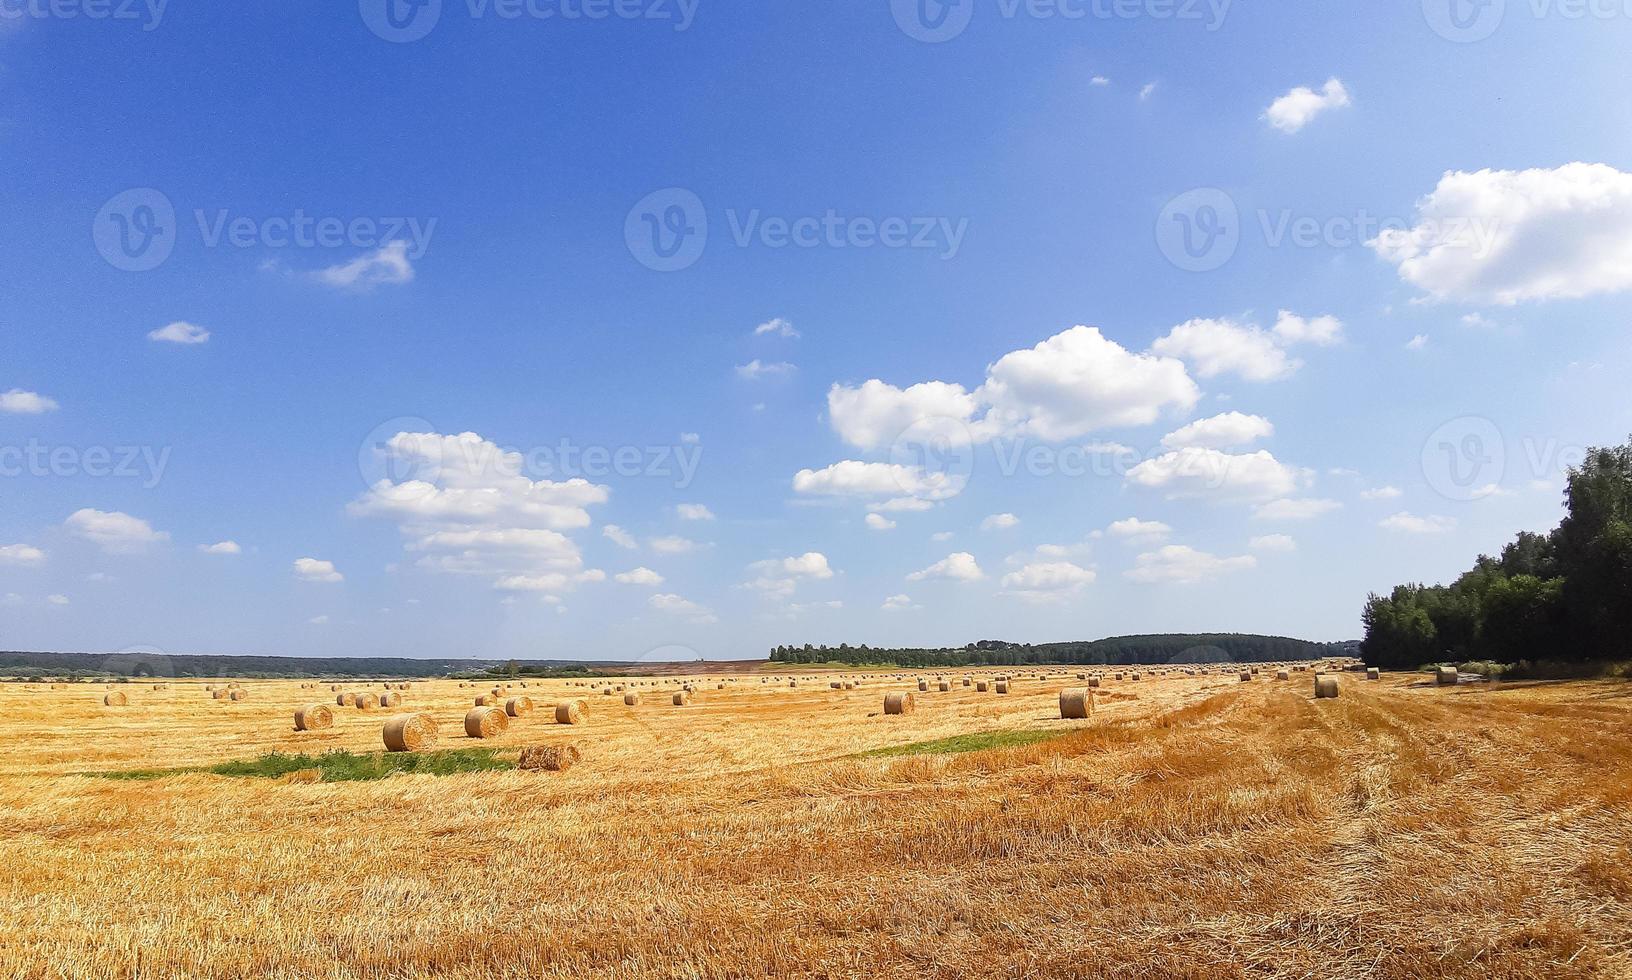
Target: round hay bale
237, 694
519, 707
944, 686
681, 699
1282, 675
115, 699
312, 717
219, 693
486, 722
1136, 675
1093, 682
632, 698
900, 703
836, 685
411, 733
1325, 686
1246, 675
390, 699
1076, 702
346, 700
967, 681
486, 700
367, 701
552, 758
1445, 675
1373, 674
982, 686
1001, 687
569, 713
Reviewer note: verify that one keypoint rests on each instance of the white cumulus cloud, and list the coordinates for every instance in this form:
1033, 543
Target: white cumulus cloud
639, 576
20, 402
958, 567
1215, 347
1047, 581
1222, 476
113, 531
1504, 237
25, 555
317, 570
180, 332
1294, 110
1184, 565
1225, 431
386, 266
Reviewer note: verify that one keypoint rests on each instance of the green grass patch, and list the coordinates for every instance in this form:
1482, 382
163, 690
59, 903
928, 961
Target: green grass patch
977, 742
340, 767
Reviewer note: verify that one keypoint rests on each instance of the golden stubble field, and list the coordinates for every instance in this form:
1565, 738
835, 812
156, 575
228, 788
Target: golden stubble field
1193, 827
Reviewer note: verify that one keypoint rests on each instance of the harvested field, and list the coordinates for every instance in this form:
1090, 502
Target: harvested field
1193, 826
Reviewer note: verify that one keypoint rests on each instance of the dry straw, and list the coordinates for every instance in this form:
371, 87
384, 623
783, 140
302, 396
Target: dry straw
413, 733
1076, 702
312, 717
486, 722
900, 703
553, 758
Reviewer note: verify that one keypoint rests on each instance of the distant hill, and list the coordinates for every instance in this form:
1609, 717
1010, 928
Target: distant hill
196, 665
1157, 648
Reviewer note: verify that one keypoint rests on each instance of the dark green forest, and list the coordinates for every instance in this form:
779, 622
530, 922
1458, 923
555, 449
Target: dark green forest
1564, 597
1160, 648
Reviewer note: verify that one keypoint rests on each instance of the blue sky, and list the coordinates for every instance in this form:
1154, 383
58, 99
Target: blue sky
1410, 318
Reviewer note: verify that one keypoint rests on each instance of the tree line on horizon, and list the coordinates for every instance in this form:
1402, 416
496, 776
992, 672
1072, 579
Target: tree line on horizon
1564, 596
1159, 648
